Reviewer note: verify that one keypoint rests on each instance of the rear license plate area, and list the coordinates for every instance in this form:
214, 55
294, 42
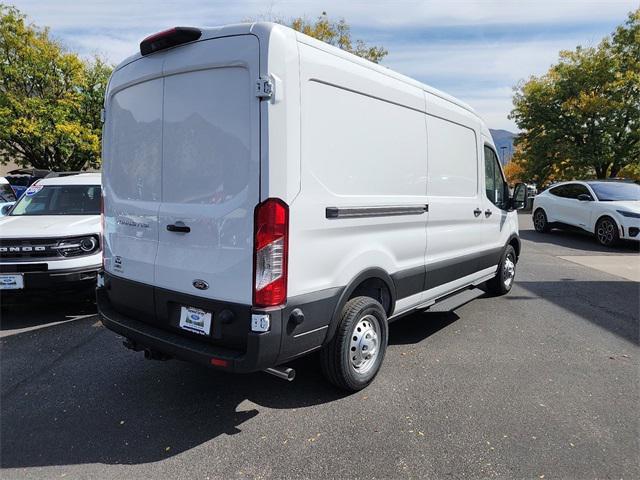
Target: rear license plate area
195, 320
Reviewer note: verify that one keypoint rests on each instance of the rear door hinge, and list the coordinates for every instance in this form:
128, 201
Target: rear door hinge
264, 88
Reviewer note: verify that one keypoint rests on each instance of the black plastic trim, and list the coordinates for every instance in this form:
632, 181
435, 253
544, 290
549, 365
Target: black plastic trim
23, 267
371, 273
376, 211
409, 282
515, 237
445, 271
148, 316
51, 279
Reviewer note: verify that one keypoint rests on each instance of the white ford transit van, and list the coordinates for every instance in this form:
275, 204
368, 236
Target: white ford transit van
267, 195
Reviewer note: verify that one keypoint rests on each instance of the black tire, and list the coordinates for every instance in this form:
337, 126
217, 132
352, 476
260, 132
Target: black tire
607, 232
338, 358
502, 283
540, 222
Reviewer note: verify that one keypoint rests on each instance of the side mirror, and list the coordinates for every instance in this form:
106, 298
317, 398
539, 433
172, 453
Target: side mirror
6, 209
519, 198
585, 197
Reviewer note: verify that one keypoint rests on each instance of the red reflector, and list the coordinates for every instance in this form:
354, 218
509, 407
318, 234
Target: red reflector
169, 38
219, 362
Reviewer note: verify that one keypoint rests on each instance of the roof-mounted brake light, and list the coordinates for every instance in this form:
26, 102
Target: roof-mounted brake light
169, 38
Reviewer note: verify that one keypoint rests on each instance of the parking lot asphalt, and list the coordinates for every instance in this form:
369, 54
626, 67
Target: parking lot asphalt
542, 383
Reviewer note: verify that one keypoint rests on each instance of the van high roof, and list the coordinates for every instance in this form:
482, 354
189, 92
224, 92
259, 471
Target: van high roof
265, 30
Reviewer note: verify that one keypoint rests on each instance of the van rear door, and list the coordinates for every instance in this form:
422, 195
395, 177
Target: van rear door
210, 169
132, 168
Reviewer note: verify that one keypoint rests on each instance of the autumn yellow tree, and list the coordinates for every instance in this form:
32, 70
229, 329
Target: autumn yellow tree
582, 118
514, 172
50, 99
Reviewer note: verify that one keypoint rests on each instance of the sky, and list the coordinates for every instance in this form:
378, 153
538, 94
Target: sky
476, 50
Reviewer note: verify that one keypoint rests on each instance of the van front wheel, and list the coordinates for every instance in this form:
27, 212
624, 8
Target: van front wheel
353, 357
503, 281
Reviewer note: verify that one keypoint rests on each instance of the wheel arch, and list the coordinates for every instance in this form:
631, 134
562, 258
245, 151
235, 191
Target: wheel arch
606, 215
365, 283
538, 208
516, 243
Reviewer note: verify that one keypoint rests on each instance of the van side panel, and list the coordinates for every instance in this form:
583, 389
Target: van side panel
455, 217
363, 145
280, 152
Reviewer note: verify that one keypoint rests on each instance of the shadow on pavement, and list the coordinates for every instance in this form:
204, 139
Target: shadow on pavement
34, 311
71, 394
614, 306
415, 328
577, 240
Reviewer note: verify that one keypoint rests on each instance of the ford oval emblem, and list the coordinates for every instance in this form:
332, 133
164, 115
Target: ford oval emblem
200, 284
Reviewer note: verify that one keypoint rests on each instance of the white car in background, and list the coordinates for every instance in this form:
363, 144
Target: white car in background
50, 240
7, 196
608, 209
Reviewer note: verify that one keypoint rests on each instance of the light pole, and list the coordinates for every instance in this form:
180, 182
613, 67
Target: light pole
503, 148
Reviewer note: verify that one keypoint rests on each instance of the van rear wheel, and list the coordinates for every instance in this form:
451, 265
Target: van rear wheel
503, 281
354, 355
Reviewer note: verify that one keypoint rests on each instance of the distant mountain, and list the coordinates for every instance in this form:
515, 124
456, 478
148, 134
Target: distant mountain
503, 138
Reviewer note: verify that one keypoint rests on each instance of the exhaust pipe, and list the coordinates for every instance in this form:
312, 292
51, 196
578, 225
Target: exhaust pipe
287, 374
155, 355
131, 345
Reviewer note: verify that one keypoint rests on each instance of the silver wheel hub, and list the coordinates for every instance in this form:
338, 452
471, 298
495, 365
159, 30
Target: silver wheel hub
508, 271
364, 345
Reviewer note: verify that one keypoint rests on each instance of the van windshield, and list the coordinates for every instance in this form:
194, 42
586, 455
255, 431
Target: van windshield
59, 200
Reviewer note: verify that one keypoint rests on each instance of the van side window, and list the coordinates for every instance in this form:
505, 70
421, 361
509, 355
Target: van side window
495, 184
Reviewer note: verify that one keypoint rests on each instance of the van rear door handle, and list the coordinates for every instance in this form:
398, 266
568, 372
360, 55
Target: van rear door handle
487, 213
477, 212
179, 227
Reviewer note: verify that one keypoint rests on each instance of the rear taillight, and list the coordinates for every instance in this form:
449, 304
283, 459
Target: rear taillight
271, 246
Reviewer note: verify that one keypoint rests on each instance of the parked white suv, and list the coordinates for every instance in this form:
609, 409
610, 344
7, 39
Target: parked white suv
608, 209
50, 239
267, 196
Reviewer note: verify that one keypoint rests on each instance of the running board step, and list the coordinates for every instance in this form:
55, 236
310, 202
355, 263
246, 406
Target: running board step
456, 300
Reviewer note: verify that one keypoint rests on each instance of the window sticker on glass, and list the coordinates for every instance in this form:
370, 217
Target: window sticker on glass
33, 189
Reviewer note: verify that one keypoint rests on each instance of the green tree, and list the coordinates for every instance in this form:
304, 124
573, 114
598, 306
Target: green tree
333, 32
582, 118
50, 99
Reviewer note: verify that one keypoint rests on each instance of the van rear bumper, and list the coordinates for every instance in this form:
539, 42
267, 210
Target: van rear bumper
261, 352
148, 316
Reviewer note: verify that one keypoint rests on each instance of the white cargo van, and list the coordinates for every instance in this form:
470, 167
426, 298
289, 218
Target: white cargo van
267, 196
